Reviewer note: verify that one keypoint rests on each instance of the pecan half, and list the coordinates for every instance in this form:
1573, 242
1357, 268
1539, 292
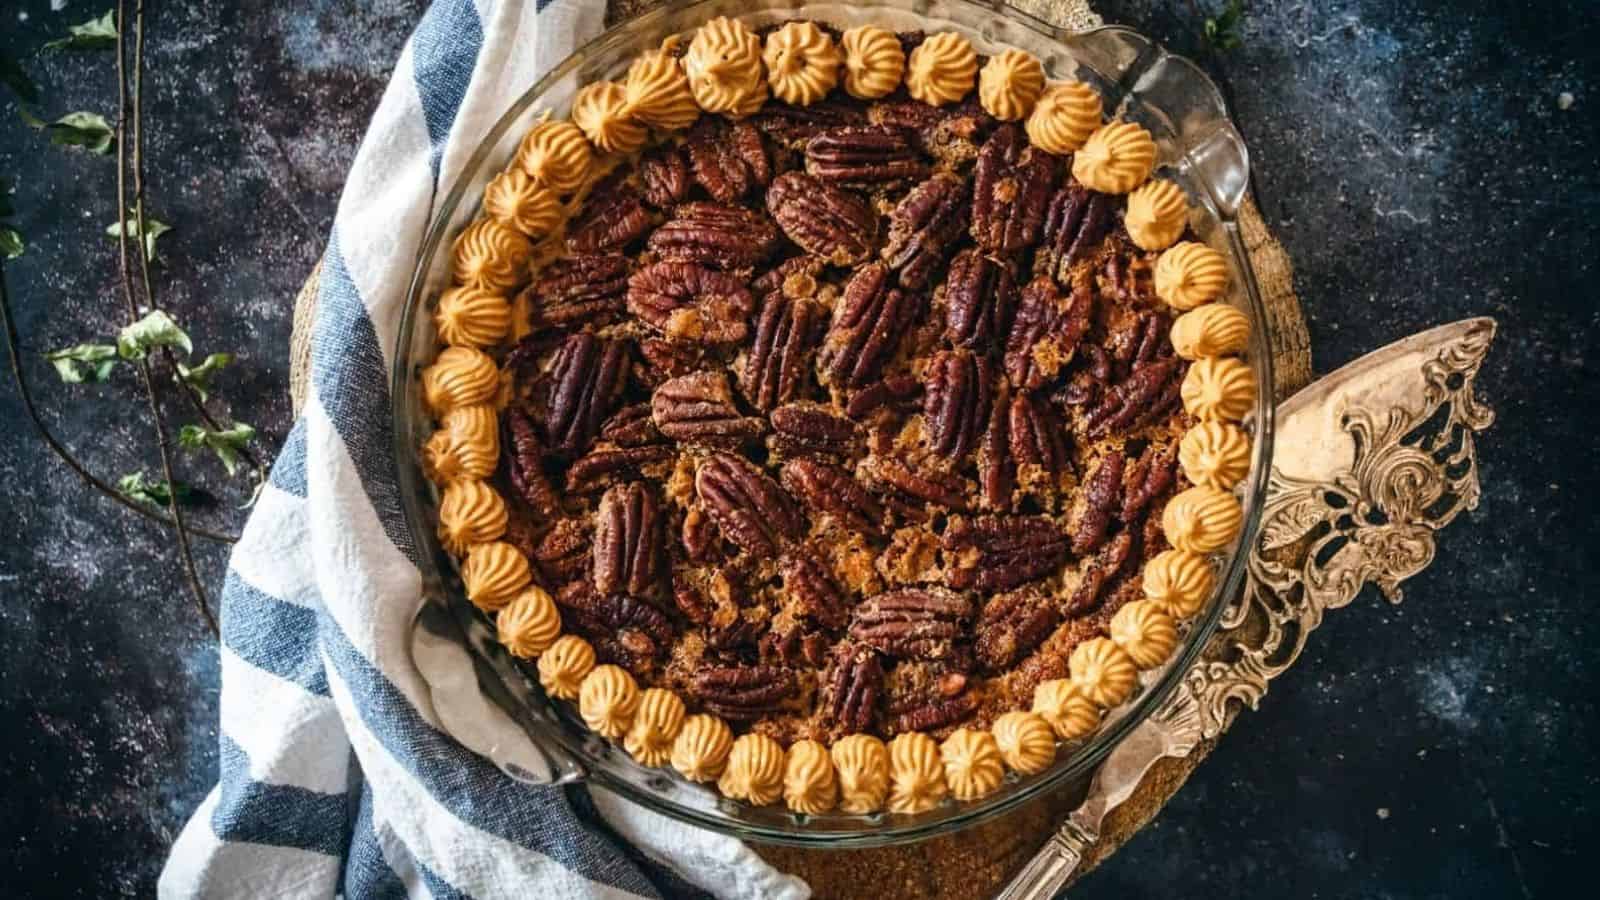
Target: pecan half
728, 161
998, 553
867, 327
586, 378
562, 553
812, 428
744, 693
1045, 333
1035, 437
664, 358
750, 509
701, 540
864, 155
948, 133
613, 217
787, 333
689, 302
699, 409
622, 628
575, 291
1146, 395
1106, 566
1011, 625
794, 645
665, 175
794, 278
915, 489
980, 298
956, 405
930, 714
1012, 188
912, 623
525, 465
1101, 497
898, 388
629, 543
1152, 475
711, 234
830, 489
792, 126
630, 426
1128, 278
825, 221
854, 685
1076, 222
997, 470
809, 583
923, 226
604, 466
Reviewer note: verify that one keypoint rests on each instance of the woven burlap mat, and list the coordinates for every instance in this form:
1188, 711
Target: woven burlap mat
981, 858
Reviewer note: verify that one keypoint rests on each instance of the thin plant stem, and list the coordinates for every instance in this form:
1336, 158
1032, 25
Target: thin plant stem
163, 445
24, 390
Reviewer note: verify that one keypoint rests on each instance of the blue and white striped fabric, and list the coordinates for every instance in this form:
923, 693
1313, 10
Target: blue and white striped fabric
345, 736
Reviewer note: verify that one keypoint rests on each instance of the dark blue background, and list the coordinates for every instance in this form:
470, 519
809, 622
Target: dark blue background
1414, 158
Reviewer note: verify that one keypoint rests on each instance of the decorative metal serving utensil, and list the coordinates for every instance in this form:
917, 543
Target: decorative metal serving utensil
1371, 462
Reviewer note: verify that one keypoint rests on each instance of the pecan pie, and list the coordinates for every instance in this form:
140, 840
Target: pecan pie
859, 417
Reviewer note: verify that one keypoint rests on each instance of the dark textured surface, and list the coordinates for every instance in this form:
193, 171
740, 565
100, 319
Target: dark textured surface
1414, 159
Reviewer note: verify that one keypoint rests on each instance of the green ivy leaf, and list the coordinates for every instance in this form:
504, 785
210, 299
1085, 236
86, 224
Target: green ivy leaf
153, 230
225, 443
85, 362
95, 34
13, 77
156, 492
199, 377
11, 244
1222, 31
156, 329
88, 130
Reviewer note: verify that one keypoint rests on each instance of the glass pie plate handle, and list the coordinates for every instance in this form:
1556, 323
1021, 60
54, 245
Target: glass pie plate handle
1198, 148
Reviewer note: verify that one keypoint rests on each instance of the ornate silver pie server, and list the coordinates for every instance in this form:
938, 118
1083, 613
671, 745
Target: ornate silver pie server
1371, 462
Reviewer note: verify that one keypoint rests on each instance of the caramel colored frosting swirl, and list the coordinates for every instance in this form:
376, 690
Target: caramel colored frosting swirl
494, 573
1219, 388
1215, 329
467, 445
655, 727
755, 770
972, 764
874, 62
724, 68
1189, 274
658, 91
1026, 741
491, 255
564, 665
802, 63
557, 155
1179, 582
1215, 453
916, 773
1157, 214
1202, 519
1145, 632
941, 69
700, 752
601, 110
459, 376
862, 762
470, 512
529, 624
515, 199
607, 700
1071, 715
1010, 84
1116, 158
1102, 671
809, 783
470, 316
1066, 114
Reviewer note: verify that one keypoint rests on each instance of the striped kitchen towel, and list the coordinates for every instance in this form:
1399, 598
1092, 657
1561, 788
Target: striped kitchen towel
347, 738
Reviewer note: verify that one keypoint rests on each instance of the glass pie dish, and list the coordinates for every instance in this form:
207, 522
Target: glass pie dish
1198, 149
